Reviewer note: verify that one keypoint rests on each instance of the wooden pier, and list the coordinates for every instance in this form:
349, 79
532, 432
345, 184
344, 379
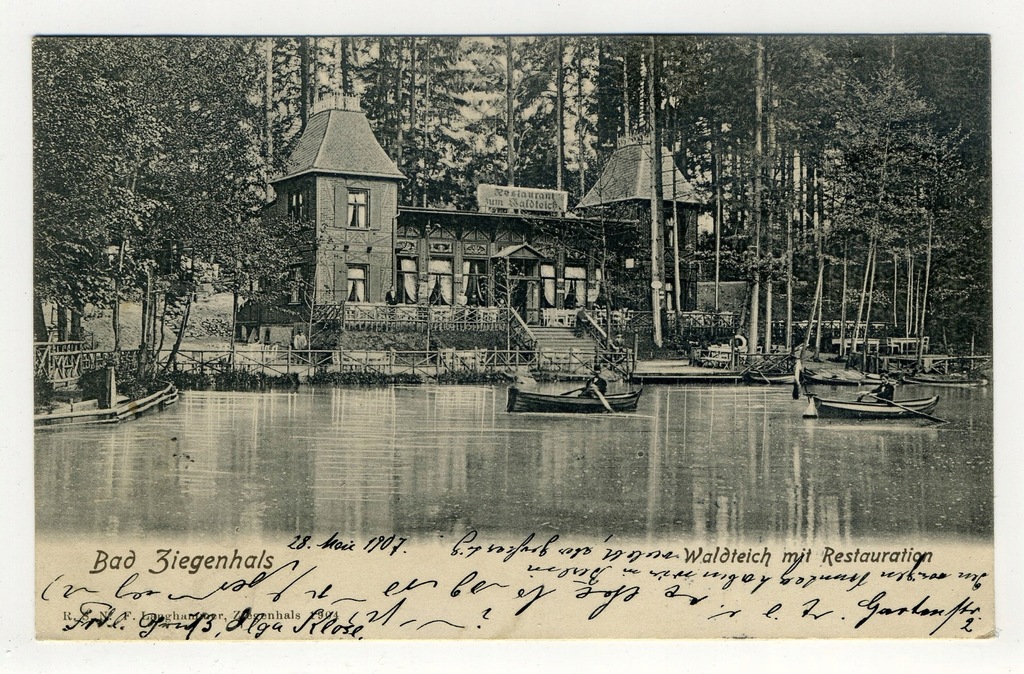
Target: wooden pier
681, 372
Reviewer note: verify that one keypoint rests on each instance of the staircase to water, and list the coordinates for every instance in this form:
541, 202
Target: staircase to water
558, 339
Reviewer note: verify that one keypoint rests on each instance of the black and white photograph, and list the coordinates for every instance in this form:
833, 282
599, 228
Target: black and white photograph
560, 335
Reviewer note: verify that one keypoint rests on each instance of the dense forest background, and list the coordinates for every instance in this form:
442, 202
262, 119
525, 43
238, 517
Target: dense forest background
850, 175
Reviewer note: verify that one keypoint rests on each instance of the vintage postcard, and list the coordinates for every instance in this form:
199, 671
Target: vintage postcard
487, 337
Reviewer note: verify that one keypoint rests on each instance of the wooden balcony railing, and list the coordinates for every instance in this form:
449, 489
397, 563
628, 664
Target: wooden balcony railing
409, 317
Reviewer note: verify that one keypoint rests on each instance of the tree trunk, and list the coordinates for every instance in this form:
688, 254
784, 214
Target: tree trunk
181, 333
397, 93
867, 317
657, 205
716, 179
76, 324
758, 162
797, 187
234, 323
842, 301
625, 93
346, 76
425, 116
924, 298
579, 116
559, 111
144, 322
677, 288
755, 290
304, 85
821, 305
509, 112
115, 316
863, 296
908, 312
413, 61
895, 290
163, 326
40, 333
268, 112
814, 306
819, 251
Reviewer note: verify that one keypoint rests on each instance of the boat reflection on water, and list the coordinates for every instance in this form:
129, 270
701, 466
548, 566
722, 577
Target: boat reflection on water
730, 461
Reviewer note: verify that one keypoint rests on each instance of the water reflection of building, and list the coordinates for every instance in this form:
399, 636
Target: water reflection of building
355, 460
361, 248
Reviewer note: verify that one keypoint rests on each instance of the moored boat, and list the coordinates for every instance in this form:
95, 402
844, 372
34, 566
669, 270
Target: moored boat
839, 378
950, 380
872, 409
767, 378
87, 412
529, 401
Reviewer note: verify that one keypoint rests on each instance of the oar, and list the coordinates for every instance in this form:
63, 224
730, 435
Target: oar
604, 401
759, 374
575, 390
912, 411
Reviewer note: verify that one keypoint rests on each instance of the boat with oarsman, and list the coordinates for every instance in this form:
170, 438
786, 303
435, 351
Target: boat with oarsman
530, 401
874, 408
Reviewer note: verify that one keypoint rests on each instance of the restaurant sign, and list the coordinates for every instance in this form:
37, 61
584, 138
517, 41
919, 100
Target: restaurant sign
492, 198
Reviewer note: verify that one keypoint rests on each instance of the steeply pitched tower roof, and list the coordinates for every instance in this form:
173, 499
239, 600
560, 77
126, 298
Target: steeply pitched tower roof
338, 140
627, 177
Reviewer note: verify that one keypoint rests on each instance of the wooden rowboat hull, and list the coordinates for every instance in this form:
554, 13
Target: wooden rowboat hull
852, 409
839, 379
946, 381
757, 377
526, 401
125, 411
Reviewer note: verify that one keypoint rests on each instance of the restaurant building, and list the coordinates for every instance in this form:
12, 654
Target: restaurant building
523, 248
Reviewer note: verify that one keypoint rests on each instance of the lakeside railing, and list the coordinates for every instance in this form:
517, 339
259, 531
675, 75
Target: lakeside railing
306, 362
63, 365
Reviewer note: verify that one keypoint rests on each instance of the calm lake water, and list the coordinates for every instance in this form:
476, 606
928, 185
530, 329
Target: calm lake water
722, 462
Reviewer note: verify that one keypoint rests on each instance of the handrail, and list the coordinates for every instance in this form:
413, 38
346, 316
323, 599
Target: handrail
520, 330
595, 330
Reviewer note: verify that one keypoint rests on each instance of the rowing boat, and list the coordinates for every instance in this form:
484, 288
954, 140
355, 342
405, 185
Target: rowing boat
528, 401
951, 380
766, 378
839, 378
873, 409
